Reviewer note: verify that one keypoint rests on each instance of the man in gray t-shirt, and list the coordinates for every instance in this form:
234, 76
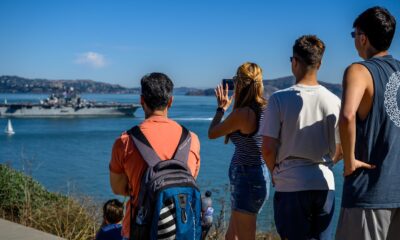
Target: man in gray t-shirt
300, 144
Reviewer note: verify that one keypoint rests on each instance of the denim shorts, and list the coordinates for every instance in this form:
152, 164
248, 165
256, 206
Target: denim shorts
249, 187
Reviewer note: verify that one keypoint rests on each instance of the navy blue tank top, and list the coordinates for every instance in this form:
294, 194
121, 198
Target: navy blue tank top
378, 142
248, 146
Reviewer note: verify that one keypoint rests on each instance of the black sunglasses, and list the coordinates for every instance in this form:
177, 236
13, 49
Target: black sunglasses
354, 33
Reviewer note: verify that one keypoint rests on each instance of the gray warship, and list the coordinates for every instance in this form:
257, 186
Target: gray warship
66, 105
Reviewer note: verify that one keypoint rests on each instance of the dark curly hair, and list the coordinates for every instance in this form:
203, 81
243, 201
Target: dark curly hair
378, 25
113, 211
156, 90
310, 49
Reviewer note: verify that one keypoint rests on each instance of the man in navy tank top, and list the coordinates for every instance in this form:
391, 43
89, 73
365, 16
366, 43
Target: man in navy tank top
370, 133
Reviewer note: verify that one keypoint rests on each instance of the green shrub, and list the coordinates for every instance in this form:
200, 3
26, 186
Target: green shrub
26, 201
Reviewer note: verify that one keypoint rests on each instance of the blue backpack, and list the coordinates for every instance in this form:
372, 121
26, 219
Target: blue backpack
169, 201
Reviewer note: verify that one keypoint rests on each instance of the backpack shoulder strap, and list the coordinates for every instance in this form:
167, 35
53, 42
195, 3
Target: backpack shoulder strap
182, 151
144, 147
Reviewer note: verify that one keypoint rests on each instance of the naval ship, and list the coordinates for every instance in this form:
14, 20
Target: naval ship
66, 105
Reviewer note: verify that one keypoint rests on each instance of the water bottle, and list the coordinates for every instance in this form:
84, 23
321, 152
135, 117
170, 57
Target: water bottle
140, 216
207, 210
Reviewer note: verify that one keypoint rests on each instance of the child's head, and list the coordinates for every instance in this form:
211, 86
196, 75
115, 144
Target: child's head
113, 211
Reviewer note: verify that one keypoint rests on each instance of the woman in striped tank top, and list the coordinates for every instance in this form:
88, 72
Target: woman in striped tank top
248, 175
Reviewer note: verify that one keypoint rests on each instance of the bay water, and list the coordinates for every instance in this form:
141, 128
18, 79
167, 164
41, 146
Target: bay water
71, 155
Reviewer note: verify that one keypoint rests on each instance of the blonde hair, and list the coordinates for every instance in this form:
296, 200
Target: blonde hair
249, 87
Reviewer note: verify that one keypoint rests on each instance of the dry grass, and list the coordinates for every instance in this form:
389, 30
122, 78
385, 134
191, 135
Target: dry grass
25, 201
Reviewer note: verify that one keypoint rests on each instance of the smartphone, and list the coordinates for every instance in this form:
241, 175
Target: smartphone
229, 82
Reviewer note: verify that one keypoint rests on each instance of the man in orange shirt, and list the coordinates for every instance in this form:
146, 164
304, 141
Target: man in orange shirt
127, 165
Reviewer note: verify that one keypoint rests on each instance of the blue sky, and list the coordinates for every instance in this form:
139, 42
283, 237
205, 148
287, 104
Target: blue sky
197, 43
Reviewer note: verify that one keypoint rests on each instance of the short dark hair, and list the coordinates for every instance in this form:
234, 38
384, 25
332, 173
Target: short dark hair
378, 25
113, 211
310, 49
156, 90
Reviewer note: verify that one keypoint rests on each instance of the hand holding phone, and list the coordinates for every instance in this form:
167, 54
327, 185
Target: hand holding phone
222, 95
231, 86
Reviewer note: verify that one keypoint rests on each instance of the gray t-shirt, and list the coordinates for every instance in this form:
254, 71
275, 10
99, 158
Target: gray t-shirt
305, 121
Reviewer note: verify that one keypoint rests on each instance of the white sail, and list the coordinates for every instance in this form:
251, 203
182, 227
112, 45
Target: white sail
9, 129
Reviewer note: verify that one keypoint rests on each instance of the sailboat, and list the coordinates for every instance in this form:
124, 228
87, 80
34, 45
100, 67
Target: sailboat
9, 129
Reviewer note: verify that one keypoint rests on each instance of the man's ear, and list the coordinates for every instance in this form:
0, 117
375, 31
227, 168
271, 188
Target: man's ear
319, 65
143, 103
170, 100
295, 62
364, 40
141, 100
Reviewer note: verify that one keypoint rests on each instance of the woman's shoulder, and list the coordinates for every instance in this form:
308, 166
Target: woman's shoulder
254, 108
244, 113
244, 109
241, 112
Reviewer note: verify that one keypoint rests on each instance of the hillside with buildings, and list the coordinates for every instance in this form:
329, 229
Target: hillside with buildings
15, 84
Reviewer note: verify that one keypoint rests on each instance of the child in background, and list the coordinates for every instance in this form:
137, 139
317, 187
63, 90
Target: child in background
113, 212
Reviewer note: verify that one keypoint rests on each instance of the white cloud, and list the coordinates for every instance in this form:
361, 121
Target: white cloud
92, 59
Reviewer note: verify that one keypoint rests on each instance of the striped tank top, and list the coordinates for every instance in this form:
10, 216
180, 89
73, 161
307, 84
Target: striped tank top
248, 146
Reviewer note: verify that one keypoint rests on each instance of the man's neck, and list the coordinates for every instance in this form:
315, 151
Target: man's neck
373, 53
157, 113
309, 79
